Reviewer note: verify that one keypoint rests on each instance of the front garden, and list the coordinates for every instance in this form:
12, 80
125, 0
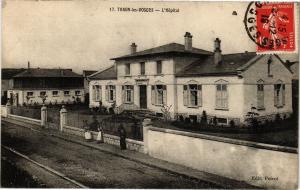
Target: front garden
281, 131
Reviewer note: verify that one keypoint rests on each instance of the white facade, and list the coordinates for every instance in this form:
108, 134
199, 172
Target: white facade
238, 96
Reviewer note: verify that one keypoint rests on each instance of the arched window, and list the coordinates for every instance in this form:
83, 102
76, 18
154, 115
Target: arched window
110, 92
192, 94
159, 93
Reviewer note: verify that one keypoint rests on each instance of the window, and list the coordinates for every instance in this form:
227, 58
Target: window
77, 93
159, 94
127, 69
29, 94
43, 93
221, 97
142, 68
110, 93
159, 67
127, 93
279, 95
96, 96
54, 93
66, 93
260, 96
192, 95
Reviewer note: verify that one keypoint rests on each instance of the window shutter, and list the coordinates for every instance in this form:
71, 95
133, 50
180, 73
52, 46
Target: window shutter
123, 94
164, 94
100, 93
132, 93
226, 97
94, 93
106, 92
153, 95
275, 96
185, 95
114, 94
283, 94
199, 95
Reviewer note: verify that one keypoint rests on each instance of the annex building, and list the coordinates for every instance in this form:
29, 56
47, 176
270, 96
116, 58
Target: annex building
35, 86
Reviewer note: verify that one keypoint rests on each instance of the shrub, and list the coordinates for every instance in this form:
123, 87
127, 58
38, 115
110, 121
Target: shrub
277, 118
231, 123
181, 119
187, 120
24, 104
111, 110
215, 121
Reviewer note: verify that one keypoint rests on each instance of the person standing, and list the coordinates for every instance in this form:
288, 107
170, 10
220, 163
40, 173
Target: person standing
87, 132
100, 138
122, 134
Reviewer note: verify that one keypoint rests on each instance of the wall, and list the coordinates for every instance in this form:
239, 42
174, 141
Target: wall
259, 71
109, 139
25, 119
234, 159
3, 111
50, 98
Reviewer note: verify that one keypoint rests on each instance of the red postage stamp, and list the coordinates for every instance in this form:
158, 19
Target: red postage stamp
272, 26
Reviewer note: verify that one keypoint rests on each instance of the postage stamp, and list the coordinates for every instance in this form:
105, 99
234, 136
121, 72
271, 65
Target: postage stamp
271, 26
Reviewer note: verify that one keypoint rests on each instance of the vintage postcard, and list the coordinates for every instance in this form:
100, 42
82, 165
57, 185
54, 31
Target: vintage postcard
149, 94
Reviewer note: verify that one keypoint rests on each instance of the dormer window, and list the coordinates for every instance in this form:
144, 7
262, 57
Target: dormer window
158, 67
127, 69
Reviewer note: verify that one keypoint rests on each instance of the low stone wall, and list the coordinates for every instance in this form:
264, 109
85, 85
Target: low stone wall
24, 119
109, 139
3, 111
259, 164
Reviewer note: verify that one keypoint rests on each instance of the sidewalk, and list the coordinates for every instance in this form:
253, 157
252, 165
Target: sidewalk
139, 157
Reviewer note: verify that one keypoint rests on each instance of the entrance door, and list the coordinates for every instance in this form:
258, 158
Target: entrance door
143, 96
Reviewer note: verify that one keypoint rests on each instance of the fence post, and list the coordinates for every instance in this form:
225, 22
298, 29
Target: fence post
43, 116
63, 117
146, 124
8, 109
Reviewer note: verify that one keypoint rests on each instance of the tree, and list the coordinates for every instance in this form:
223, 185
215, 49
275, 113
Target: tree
166, 112
204, 118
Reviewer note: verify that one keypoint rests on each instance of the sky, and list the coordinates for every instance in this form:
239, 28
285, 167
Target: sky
84, 35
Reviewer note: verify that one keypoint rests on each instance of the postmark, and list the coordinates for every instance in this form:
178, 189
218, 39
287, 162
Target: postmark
271, 26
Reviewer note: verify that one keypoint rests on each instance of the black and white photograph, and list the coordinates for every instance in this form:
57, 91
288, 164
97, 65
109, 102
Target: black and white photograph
149, 94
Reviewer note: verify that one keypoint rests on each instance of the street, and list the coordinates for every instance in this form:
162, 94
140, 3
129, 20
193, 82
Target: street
90, 167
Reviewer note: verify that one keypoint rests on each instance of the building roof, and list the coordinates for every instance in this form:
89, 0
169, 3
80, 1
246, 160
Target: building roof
230, 65
8, 73
87, 73
164, 49
37, 72
106, 74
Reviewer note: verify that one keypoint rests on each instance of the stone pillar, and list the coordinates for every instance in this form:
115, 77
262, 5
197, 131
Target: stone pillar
146, 125
63, 117
43, 116
8, 109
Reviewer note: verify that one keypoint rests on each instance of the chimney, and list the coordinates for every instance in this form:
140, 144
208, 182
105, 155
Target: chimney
133, 48
217, 52
188, 41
